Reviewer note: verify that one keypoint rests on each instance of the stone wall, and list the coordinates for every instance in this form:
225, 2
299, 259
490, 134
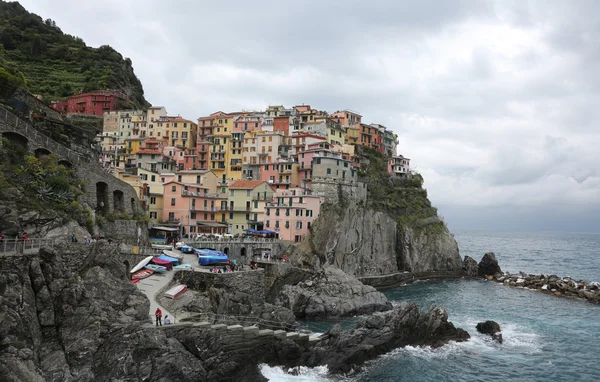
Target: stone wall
251, 282
125, 231
35, 105
234, 248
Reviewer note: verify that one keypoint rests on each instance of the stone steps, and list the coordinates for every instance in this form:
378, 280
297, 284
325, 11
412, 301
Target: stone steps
247, 330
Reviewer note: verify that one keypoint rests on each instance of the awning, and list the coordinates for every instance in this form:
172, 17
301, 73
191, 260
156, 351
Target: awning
251, 230
267, 232
205, 224
167, 229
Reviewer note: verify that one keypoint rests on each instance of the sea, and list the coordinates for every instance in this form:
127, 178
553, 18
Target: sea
545, 337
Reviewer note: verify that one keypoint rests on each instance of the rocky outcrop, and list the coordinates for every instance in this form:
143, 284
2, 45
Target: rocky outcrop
57, 307
488, 266
491, 328
470, 267
330, 293
363, 242
555, 285
237, 355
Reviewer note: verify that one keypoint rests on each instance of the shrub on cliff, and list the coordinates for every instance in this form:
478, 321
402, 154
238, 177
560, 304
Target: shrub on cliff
403, 199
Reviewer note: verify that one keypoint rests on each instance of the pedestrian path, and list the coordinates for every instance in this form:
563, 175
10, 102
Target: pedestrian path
150, 286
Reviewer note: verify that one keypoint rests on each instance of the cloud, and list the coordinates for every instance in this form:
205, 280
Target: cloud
495, 102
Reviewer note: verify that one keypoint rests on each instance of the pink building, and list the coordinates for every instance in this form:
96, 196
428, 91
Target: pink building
196, 210
399, 167
292, 213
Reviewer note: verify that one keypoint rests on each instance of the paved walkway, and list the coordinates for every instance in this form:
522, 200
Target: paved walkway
150, 286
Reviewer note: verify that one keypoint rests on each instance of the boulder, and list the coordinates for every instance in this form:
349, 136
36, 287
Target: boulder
488, 265
331, 293
469, 267
492, 328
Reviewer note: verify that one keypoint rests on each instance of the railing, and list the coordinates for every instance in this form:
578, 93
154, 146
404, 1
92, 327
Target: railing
246, 240
29, 131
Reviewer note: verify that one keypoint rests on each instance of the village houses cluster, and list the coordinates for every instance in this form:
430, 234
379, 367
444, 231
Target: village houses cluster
232, 172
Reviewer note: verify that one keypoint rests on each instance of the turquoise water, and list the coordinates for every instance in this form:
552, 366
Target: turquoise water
545, 337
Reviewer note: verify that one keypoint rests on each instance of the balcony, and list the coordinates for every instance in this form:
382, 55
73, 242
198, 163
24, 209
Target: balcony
223, 182
279, 181
263, 153
285, 171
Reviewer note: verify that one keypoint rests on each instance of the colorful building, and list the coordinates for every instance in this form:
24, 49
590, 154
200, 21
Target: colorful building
399, 167
292, 213
92, 103
240, 210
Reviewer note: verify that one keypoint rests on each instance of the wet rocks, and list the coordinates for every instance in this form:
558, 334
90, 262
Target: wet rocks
488, 265
553, 284
469, 267
491, 328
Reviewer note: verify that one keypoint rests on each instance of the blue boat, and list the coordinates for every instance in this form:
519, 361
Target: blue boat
156, 268
187, 249
182, 266
211, 257
169, 258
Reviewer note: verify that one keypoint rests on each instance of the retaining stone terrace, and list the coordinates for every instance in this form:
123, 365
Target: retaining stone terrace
102, 191
240, 250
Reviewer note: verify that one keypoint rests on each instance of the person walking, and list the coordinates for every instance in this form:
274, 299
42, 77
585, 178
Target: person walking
158, 315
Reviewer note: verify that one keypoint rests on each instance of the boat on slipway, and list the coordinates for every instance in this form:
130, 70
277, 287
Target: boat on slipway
176, 291
156, 268
141, 264
182, 267
211, 257
141, 274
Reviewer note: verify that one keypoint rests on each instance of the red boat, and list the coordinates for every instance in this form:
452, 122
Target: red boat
133, 281
142, 274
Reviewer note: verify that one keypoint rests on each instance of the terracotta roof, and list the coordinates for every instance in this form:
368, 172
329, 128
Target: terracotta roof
246, 184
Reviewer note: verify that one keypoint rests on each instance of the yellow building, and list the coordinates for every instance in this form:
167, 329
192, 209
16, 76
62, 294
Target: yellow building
225, 151
132, 145
242, 194
176, 131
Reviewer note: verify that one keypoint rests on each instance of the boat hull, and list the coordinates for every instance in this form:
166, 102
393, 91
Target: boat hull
176, 291
142, 274
141, 264
156, 268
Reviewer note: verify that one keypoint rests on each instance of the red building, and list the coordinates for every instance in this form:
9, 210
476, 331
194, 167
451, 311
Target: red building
93, 103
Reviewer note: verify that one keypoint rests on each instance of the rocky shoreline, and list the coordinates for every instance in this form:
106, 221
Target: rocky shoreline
553, 284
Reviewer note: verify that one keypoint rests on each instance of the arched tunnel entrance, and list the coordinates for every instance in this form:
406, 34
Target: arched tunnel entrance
226, 251
243, 251
16, 139
118, 201
40, 152
65, 163
102, 198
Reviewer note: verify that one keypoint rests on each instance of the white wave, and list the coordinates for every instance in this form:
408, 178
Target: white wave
303, 374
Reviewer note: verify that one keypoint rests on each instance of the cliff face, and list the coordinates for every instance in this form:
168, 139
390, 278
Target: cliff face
364, 242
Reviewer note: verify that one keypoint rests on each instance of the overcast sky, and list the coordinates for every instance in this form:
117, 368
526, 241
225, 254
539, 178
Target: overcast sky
497, 103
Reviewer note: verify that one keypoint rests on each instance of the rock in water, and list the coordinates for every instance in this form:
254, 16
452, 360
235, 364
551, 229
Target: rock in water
469, 267
488, 265
492, 328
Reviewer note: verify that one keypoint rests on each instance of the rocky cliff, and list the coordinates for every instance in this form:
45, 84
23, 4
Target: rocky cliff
365, 242
395, 230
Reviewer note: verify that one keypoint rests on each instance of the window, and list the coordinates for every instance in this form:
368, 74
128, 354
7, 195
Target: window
268, 223
287, 224
255, 204
268, 212
212, 216
309, 213
172, 201
205, 216
247, 216
153, 178
328, 171
232, 192
193, 215
173, 188
152, 215
298, 225
231, 215
248, 192
276, 223
153, 200
308, 225
277, 212
171, 215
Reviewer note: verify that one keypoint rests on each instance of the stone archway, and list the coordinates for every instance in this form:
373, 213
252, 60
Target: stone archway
118, 201
16, 139
40, 152
226, 251
65, 163
243, 251
102, 206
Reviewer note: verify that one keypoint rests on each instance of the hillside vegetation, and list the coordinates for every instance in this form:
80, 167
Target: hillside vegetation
36, 54
404, 200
